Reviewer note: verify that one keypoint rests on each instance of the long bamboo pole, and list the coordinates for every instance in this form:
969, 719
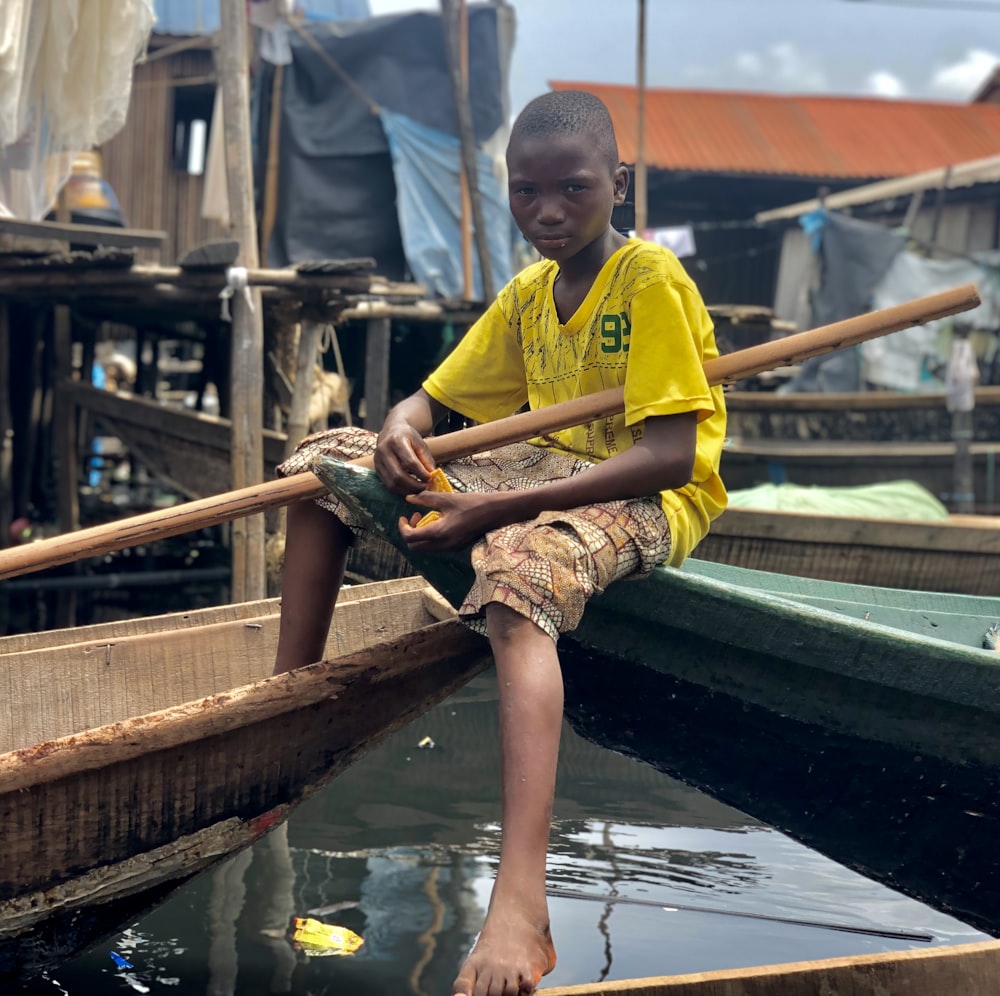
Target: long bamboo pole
247, 501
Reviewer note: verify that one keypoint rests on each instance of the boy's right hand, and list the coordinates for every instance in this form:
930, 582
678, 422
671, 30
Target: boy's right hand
402, 460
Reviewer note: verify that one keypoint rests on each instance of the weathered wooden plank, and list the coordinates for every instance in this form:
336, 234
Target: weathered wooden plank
969, 969
89, 235
60, 690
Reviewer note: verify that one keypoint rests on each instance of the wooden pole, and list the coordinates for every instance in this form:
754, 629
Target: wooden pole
378, 343
721, 370
247, 369
64, 436
6, 432
468, 283
305, 362
270, 207
452, 20
641, 213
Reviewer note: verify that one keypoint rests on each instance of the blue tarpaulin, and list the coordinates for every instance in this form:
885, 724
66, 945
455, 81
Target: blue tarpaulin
425, 164
200, 17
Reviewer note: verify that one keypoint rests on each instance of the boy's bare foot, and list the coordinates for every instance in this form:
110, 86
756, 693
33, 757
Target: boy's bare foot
509, 958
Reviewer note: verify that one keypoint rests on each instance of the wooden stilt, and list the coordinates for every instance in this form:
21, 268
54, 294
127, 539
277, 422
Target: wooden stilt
247, 371
377, 346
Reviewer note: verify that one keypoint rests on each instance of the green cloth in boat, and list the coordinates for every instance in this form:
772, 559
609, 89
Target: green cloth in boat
887, 500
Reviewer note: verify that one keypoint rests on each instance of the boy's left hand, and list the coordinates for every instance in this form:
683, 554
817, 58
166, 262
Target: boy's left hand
465, 516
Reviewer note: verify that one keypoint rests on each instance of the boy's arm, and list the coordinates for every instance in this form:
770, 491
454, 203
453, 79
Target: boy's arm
662, 460
402, 459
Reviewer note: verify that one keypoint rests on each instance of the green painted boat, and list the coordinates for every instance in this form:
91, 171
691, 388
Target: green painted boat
861, 720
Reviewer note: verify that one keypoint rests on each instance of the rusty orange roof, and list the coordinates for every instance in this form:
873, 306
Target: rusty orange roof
714, 131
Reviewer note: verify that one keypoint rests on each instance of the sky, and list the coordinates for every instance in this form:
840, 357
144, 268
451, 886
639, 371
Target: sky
940, 50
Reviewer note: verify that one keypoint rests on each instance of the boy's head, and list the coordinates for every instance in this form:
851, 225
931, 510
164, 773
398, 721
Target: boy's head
564, 176
569, 112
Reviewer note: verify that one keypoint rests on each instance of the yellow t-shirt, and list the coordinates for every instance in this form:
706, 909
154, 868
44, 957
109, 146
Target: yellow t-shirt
642, 325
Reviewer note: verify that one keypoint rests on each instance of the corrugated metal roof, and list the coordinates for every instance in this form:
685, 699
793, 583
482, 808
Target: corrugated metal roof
715, 131
200, 17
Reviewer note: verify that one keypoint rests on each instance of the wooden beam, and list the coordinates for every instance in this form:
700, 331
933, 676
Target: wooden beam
85, 235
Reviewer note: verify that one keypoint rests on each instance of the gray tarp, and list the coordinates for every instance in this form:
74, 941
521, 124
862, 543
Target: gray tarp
337, 193
854, 256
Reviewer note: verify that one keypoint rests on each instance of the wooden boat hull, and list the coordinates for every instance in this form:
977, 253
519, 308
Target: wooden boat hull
823, 463
800, 681
969, 969
840, 439
959, 554
110, 816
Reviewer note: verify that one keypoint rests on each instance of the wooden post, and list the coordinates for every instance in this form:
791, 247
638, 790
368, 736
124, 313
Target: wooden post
64, 435
453, 18
305, 362
247, 370
6, 431
465, 219
377, 343
6, 454
960, 403
641, 214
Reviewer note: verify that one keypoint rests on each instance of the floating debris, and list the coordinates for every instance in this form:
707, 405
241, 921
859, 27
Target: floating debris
318, 939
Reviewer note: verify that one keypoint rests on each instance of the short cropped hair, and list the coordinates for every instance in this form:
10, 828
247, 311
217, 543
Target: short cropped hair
568, 112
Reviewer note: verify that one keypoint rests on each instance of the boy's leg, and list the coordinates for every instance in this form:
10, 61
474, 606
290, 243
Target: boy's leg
515, 947
316, 545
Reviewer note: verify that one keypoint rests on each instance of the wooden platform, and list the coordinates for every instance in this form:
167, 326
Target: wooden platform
859, 415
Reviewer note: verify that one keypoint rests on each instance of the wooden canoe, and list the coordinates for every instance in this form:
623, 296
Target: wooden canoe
136, 754
863, 721
959, 554
855, 438
969, 969
850, 462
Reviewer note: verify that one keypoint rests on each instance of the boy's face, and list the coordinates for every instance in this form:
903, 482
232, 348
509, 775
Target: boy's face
562, 191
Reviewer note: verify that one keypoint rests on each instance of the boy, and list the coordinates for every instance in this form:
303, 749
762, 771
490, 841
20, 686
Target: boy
551, 521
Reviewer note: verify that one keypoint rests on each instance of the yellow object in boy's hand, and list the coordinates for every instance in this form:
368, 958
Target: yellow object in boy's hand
436, 481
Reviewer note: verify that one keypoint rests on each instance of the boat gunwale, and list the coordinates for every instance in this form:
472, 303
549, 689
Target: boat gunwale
257, 701
865, 637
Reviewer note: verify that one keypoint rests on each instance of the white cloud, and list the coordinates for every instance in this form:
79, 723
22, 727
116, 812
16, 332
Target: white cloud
750, 63
885, 84
960, 80
783, 66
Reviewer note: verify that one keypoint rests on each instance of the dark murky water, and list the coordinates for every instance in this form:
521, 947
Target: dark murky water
401, 849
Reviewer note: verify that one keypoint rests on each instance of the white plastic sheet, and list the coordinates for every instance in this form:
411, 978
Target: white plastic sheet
65, 83
912, 359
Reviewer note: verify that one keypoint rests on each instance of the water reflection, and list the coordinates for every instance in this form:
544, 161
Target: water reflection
402, 850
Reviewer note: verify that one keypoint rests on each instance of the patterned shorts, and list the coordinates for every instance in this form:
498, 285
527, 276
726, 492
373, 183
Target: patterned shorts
545, 569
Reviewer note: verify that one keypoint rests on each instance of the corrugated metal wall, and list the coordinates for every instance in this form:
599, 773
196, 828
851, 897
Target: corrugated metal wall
139, 160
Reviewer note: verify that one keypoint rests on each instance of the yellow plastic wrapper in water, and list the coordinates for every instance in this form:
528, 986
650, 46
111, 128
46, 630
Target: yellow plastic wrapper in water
436, 481
318, 938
